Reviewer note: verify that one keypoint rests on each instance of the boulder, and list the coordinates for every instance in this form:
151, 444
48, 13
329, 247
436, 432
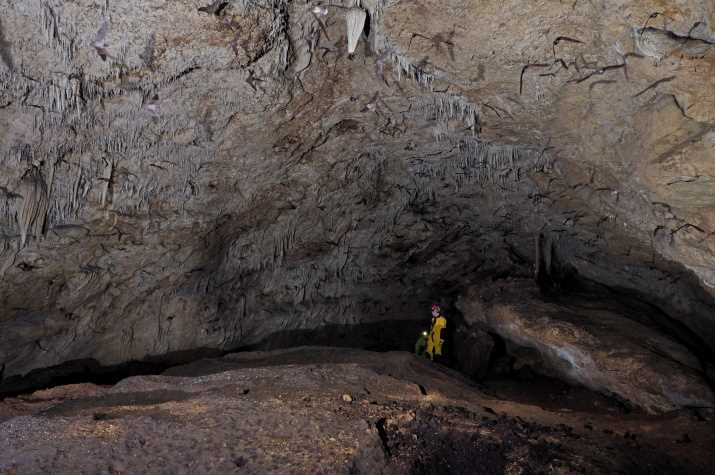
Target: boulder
472, 351
597, 347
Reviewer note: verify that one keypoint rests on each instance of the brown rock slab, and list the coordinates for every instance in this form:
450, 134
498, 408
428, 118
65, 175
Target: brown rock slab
598, 348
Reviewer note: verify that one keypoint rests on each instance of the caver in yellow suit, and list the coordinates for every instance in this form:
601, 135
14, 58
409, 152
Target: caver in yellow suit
434, 340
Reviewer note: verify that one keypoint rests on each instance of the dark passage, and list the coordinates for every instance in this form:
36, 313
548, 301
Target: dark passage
484, 360
388, 335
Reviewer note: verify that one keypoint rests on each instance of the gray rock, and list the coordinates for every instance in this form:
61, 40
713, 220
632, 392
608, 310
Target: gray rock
275, 185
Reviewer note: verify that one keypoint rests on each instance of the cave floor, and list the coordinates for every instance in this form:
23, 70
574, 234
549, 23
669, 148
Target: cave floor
553, 395
329, 410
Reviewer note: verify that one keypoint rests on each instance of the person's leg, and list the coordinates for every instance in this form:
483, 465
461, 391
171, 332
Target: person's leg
437, 337
420, 346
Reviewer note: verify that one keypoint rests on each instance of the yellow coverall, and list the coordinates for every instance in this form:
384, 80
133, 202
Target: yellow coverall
434, 340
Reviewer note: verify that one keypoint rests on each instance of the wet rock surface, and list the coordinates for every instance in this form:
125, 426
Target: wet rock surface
284, 412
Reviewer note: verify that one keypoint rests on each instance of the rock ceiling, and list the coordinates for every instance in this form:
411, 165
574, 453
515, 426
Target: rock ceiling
185, 174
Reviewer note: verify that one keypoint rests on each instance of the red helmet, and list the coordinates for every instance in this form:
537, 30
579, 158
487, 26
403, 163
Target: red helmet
435, 306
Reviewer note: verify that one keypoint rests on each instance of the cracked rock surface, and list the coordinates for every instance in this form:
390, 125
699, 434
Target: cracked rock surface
173, 177
353, 412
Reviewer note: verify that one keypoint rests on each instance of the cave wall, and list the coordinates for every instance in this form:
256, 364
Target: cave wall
221, 177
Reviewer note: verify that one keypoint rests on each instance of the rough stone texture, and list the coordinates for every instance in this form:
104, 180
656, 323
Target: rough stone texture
472, 351
282, 412
222, 177
593, 346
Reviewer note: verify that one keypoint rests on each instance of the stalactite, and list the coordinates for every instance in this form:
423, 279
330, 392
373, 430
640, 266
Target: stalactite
63, 37
107, 179
8, 207
284, 240
31, 217
480, 163
355, 19
445, 107
440, 132
304, 279
342, 258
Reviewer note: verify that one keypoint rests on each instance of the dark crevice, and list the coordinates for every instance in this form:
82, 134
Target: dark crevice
386, 335
498, 354
554, 275
377, 336
367, 27
215, 8
90, 371
380, 425
675, 36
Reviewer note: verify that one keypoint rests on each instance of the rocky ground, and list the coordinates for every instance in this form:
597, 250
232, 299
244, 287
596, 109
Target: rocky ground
323, 410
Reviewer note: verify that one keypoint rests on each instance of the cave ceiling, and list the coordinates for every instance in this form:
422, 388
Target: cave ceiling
184, 174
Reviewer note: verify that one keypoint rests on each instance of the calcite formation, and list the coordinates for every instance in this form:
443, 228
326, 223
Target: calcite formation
192, 174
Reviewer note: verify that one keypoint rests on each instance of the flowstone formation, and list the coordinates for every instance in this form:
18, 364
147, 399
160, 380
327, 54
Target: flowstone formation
195, 174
